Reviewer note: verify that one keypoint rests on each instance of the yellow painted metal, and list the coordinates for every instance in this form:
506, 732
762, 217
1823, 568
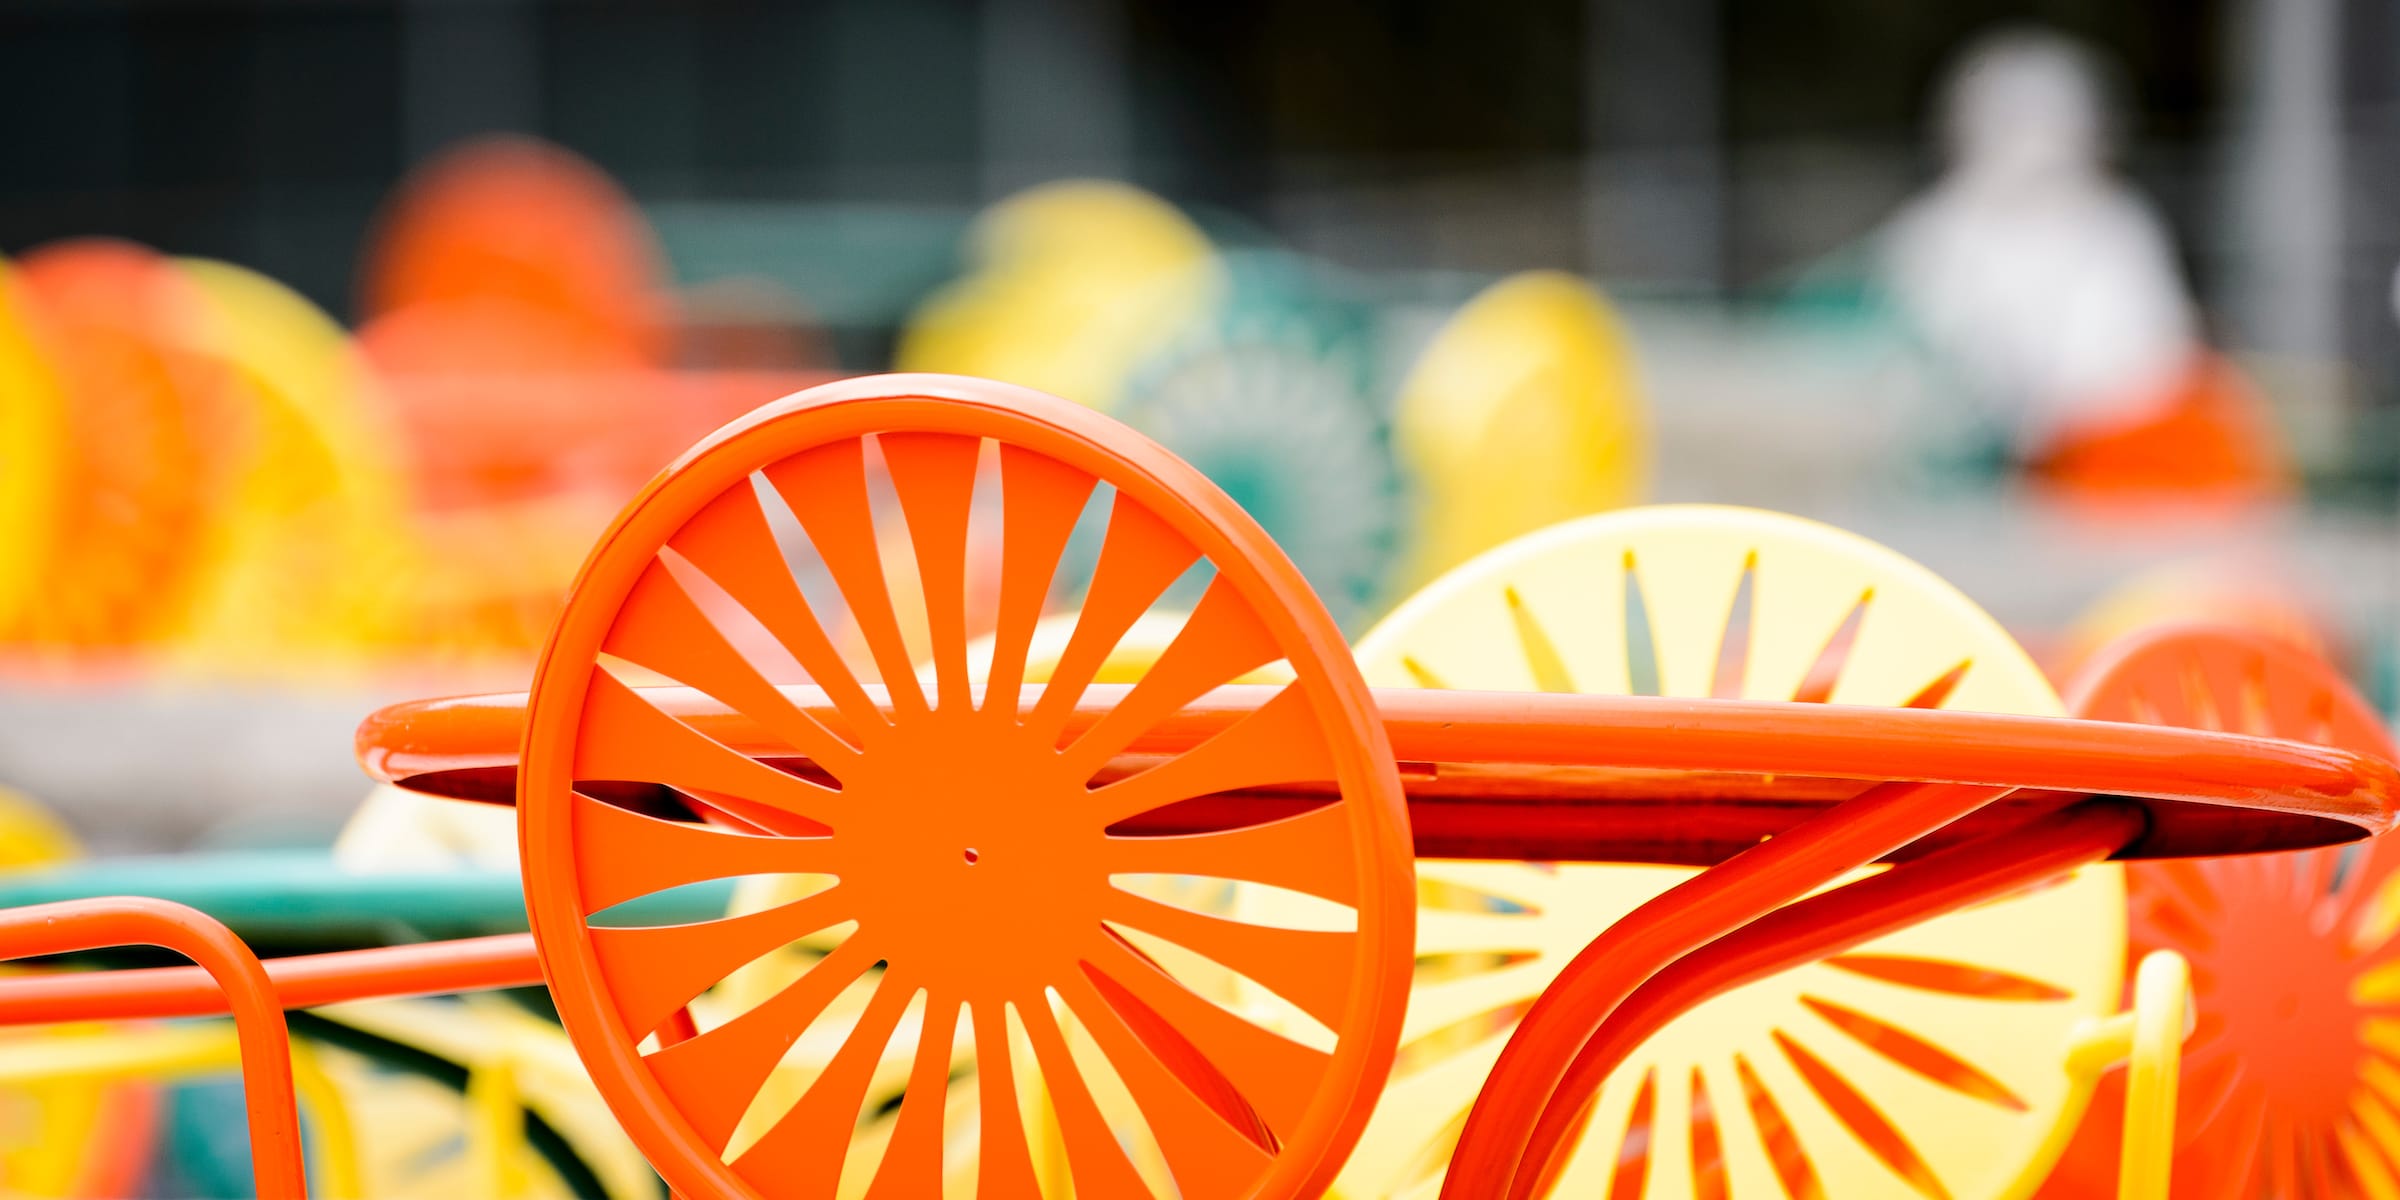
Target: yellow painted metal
1932, 1062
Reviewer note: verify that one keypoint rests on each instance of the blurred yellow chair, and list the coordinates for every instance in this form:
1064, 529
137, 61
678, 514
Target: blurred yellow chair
312, 561
1071, 286
33, 420
1951, 1059
1525, 410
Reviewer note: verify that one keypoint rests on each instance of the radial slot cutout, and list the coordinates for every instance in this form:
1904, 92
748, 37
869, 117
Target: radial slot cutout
1458, 964
987, 552
1459, 1036
628, 856
809, 1050
1631, 1170
1709, 1180
708, 895
1037, 1115
1916, 1054
1825, 674
881, 1103
1185, 1061
1100, 1080
750, 816
816, 583
1776, 1137
1217, 814
644, 745
831, 490
1238, 994
1077, 560
1194, 893
1949, 978
1541, 655
1261, 904
1141, 559
1641, 645
962, 1114
896, 550
741, 629
902, 1147
1733, 648
1222, 639
1450, 895
753, 983
662, 631
1864, 1121
1937, 693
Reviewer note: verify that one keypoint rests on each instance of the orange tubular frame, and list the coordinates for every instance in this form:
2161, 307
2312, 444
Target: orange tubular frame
244, 987
301, 981
1560, 777
1818, 927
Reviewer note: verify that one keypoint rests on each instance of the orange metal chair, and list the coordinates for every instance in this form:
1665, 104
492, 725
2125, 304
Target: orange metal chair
693, 719
240, 986
2287, 1086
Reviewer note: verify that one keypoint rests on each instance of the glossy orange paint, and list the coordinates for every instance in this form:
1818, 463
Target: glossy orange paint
299, 981
967, 826
258, 1019
1564, 777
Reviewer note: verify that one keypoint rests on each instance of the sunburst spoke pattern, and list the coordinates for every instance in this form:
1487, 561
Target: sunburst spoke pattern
1205, 1154
934, 475
631, 739
624, 855
826, 489
1004, 1162
654, 970
912, 1161
1223, 640
805, 1149
1139, 557
1097, 1161
1310, 968
712, 1078
1275, 743
1041, 499
731, 542
1292, 853
665, 631
981, 853
1276, 1075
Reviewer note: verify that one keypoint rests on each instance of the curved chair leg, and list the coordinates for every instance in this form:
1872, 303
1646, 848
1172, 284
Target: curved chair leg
1825, 924
257, 1013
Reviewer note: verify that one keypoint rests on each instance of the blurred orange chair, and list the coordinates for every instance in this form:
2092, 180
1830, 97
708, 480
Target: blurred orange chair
2210, 444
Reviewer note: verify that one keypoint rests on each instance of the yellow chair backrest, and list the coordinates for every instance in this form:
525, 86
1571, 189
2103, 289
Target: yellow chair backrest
1932, 1063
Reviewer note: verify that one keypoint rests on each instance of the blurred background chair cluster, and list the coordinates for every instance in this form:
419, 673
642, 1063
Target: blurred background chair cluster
333, 335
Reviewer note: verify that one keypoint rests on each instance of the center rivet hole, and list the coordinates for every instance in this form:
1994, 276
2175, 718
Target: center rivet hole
970, 855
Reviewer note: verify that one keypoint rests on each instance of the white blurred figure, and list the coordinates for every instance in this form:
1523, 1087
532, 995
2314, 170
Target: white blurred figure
2037, 274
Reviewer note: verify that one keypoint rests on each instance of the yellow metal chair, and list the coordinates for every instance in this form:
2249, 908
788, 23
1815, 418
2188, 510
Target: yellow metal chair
1524, 411
1948, 1060
1073, 285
